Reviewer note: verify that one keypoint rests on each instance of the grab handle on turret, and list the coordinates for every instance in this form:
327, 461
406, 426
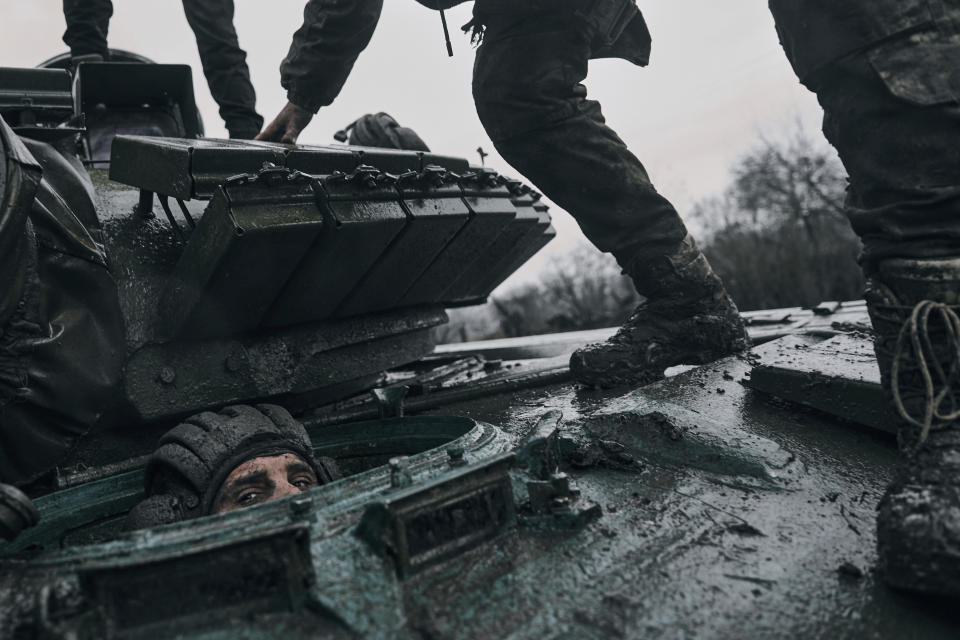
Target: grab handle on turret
16, 512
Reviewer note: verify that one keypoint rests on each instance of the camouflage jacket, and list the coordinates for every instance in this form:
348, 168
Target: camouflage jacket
335, 32
61, 331
815, 33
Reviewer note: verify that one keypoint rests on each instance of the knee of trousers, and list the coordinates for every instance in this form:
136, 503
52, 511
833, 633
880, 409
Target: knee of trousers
515, 95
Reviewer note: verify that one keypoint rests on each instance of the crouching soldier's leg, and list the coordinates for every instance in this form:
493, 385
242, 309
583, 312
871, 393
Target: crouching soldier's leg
61, 335
891, 110
530, 100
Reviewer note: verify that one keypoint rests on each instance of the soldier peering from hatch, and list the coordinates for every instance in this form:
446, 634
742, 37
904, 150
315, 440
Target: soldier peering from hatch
219, 462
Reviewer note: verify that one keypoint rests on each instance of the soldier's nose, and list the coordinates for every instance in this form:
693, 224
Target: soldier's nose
285, 489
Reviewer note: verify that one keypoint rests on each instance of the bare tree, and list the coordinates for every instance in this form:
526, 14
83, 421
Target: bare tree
583, 289
778, 236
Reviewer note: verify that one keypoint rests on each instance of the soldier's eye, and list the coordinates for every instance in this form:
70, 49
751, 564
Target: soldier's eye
248, 498
304, 483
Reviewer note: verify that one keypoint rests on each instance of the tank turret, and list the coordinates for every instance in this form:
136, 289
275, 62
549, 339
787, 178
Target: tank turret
248, 271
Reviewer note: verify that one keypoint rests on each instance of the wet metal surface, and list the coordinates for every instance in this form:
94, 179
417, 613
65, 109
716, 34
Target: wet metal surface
536, 237
490, 212
362, 221
243, 251
716, 512
166, 380
232, 300
188, 169
435, 213
838, 375
749, 518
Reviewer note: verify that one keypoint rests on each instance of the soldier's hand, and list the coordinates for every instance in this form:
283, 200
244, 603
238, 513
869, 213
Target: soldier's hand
288, 124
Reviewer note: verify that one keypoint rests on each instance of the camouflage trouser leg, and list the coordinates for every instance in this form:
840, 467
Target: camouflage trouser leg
892, 110
224, 65
529, 96
87, 25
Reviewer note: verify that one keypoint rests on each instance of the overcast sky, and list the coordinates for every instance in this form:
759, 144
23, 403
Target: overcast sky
716, 81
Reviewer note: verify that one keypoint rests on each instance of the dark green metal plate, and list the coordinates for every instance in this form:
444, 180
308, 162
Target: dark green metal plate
245, 248
490, 213
434, 216
362, 221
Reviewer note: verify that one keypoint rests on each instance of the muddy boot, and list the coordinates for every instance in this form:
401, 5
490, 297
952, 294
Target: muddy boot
688, 318
913, 305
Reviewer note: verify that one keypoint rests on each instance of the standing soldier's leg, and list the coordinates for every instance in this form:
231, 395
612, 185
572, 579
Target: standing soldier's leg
225, 65
892, 110
530, 100
87, 25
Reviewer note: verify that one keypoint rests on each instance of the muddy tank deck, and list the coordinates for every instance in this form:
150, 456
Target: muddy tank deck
743, 516
707, 508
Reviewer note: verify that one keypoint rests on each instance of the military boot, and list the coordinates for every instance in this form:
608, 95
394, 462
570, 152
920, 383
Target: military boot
688, 318
913, 305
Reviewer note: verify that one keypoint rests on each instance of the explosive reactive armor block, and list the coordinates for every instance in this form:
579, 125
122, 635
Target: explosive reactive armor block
247, 245
188, 169
411, 229
433, 203
364, 217
268, 289
490, 213
536, 236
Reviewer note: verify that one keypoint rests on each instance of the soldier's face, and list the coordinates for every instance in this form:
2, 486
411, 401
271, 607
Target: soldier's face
264, 479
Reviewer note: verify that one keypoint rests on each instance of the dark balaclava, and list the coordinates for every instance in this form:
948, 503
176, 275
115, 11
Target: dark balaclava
381, 130
194, 458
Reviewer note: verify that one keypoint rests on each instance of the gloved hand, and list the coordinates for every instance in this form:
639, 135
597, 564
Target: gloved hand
288, 124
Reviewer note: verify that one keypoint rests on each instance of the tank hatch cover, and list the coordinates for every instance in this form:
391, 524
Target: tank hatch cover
839, 376
134, 98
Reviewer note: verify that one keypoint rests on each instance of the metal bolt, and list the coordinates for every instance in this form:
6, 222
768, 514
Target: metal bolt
400, 472
301, 505
167, 375
390, 401
455, 454
233, 362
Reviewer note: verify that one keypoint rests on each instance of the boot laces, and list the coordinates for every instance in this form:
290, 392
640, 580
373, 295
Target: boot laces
937, 382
